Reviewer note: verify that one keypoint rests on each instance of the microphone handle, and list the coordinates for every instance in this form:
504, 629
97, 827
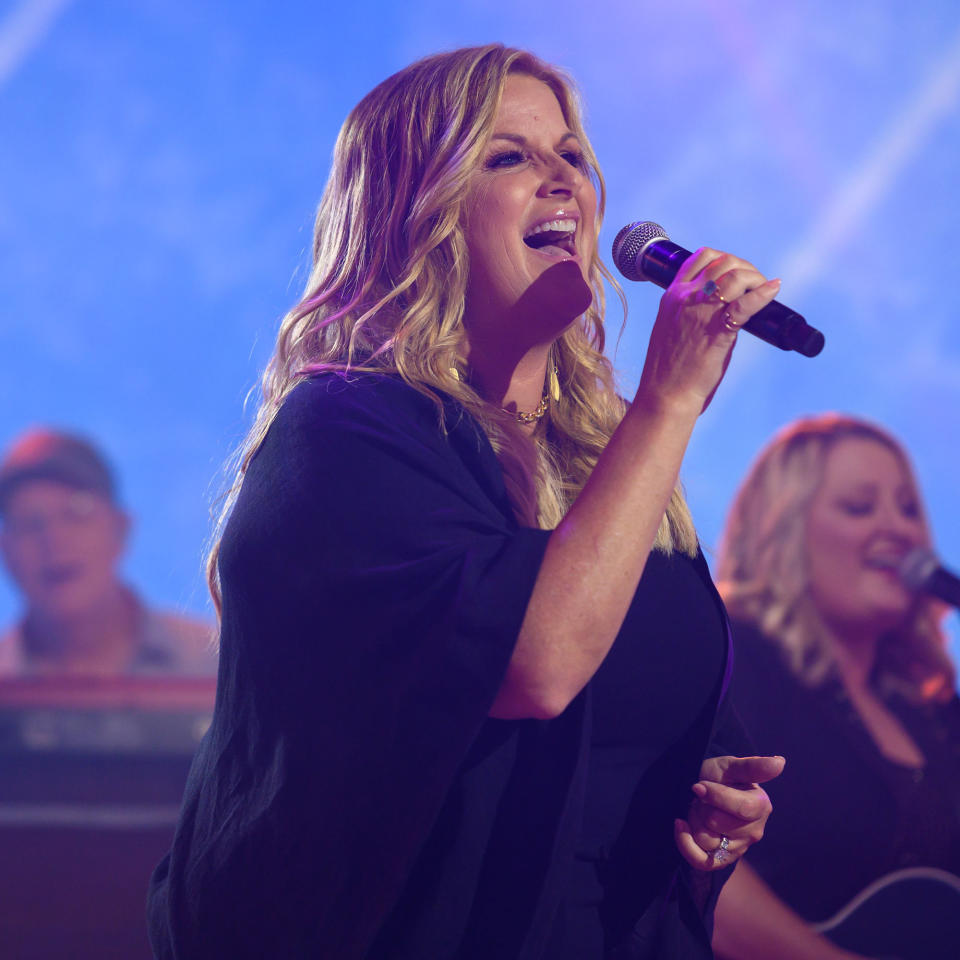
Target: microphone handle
776, 324
944, 585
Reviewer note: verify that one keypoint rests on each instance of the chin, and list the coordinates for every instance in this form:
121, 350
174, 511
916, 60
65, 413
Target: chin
889, 616
562, 291
67, 605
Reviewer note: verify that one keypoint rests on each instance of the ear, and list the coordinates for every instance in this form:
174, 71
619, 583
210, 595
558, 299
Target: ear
5, 546
124, 524
9, 554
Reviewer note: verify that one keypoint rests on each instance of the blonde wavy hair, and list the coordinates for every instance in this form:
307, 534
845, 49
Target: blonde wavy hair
390, 267
762, 569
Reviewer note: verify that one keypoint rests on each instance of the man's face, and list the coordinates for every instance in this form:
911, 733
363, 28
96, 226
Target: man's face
61, 546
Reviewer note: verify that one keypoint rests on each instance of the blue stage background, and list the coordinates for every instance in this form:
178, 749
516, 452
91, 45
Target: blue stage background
160, 163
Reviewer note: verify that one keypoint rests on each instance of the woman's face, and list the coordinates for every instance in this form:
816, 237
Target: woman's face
863, 519
529, 220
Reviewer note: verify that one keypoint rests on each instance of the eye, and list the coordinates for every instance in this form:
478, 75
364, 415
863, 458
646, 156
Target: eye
80, 508
856, 508
30, 525
508, 158
575, 158
910, 509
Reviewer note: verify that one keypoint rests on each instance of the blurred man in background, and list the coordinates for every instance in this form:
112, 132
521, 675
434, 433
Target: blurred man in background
102, 703
63, 537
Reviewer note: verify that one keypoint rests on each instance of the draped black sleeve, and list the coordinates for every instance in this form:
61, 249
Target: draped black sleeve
374, 581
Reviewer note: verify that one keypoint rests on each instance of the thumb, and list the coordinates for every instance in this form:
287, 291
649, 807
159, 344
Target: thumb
735, 771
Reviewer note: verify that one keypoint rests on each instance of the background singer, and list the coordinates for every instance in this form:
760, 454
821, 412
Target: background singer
844, 669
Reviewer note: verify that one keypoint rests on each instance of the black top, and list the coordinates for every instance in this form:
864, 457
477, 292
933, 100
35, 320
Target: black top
654, 689
844, 815
352, 798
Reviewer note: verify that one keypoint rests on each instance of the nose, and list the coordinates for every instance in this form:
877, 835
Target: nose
560, 179
895, 522
49, 533
47, 538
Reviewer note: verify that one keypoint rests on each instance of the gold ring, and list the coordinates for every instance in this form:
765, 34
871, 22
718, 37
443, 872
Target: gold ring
728, 322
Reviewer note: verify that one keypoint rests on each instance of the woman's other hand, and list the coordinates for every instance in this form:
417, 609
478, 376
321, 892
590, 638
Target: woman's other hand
711, 297
729, 812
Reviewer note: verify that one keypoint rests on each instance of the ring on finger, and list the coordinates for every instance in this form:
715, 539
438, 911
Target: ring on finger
720, 854
712, 289
728, 322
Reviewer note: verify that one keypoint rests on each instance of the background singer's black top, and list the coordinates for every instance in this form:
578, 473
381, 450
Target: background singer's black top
844, 814
352, 798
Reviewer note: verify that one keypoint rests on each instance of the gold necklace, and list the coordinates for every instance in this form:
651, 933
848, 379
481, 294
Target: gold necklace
537, 414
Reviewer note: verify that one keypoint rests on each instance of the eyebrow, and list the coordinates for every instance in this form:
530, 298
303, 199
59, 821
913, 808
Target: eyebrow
517, 138
872, 487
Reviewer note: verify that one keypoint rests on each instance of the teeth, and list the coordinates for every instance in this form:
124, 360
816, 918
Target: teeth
557, 226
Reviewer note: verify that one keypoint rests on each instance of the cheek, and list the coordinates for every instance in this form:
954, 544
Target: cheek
497, 264
832, 556
587, 201
485, 236
23, 562
26, 565
96, 547
833, 540
104, 548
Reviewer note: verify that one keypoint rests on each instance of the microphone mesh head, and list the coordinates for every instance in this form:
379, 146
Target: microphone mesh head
630, 241
917, 567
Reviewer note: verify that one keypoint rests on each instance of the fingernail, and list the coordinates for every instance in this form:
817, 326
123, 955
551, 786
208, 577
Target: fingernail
699, 789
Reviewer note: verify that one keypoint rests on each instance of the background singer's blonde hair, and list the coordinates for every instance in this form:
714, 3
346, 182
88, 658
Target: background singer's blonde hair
390, 267
762, 569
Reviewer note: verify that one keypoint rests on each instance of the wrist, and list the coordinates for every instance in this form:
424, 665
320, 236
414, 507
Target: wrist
675, 406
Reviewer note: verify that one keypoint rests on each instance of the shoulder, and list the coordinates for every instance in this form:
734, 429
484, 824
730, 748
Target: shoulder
11, 651
368, 443
336, 424
770, 697
752, 644
760, 670
334, 399
178, 643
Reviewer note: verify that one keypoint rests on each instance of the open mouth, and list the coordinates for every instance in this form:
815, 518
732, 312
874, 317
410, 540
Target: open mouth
59, 575
884, 561
555, 238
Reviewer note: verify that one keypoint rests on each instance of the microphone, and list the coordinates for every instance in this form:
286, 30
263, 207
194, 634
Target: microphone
920, 570
643, 251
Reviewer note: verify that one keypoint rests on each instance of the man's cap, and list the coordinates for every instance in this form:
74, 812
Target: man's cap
45, 454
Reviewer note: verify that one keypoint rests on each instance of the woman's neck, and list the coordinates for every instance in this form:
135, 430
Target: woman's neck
855, 649
515, 384
856, 656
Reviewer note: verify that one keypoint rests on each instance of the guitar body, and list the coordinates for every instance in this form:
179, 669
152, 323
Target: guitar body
907, 915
